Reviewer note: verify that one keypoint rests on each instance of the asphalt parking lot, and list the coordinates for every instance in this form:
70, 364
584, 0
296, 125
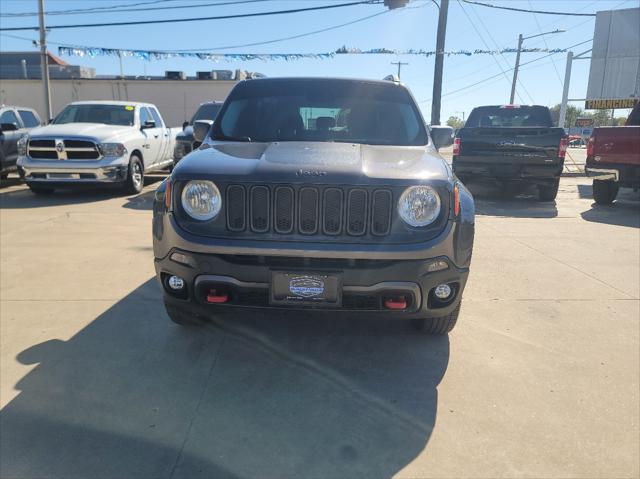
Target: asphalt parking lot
539, 379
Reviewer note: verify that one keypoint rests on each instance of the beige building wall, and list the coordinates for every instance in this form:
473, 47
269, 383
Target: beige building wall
176, 99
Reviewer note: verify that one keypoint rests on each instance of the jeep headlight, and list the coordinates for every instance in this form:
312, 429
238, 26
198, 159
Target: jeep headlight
22, 145
419, 205
201, 200
112, 149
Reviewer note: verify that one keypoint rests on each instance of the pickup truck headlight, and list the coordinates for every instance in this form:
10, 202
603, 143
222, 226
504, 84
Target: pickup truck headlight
201, 200
112, 149
419, 205
22, 145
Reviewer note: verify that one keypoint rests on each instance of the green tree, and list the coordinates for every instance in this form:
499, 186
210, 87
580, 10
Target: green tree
573, 112
455, 122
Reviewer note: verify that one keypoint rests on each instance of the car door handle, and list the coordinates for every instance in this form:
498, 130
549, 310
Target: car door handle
155, 136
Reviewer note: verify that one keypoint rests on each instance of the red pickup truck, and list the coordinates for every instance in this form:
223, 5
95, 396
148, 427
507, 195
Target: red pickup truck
613, 158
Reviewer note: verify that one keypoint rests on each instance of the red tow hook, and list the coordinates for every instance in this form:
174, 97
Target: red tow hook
214, 297
396, 303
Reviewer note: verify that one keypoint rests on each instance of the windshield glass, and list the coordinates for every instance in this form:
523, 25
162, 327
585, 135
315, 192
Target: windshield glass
208, 111
107, 114
509, 116
321, 110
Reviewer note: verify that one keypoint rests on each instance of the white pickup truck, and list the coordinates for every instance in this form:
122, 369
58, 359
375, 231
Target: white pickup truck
97, 142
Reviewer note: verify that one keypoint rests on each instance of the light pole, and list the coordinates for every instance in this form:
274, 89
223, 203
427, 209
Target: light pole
400, 64
515, 70
44, 61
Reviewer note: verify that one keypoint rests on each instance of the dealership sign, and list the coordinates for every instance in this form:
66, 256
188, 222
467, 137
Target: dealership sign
603, 104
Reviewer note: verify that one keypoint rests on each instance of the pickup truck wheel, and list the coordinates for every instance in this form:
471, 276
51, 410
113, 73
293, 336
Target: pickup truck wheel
40, 190
181, 317
135, 176
604, 192
441, 325
548, 192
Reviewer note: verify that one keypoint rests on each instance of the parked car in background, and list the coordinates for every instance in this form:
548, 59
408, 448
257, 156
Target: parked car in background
185, 143
15, 122
315, 194
613, 158
511, 143
97, 142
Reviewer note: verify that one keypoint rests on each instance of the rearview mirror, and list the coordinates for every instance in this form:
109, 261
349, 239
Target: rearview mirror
8, 127
442, 136
200, 129
185, 124
148, 124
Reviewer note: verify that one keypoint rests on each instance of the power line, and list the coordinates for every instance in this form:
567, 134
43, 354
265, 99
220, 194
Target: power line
520, 82
82, 10
544, 38
485, 44
115, 9
542, 12
200, 19
230, 47
511, 69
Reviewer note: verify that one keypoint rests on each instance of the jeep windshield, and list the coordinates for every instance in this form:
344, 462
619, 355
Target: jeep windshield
323, 110
108, 114
208, 111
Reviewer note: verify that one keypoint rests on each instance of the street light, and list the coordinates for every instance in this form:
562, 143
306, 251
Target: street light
515, 70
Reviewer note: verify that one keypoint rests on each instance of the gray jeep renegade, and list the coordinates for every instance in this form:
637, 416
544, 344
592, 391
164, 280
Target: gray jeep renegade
315, 194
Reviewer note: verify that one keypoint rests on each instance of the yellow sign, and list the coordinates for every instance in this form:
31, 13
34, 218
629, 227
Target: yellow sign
129, 108
610, 104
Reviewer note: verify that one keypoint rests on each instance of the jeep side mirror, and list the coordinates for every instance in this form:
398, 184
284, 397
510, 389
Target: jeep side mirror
148, 124
8, 127
185, 124
441, 136
200, 129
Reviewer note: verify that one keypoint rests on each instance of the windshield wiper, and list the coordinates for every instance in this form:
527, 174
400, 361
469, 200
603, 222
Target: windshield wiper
224, 137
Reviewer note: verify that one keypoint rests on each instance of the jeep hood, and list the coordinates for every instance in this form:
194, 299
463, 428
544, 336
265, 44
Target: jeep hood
311, 162
97, 131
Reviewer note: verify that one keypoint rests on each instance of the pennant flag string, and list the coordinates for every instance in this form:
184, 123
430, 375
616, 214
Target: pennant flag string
148, 55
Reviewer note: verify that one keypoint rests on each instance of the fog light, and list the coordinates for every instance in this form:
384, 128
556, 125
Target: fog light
442, 291
176, 283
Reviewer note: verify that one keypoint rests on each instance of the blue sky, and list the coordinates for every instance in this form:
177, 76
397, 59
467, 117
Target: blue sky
469, 27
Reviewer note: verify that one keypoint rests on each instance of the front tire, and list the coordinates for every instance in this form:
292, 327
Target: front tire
40, 190
442, 325
135, 176
605, 192
548, 192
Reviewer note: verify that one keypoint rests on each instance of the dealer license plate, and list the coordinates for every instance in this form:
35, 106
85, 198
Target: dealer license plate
319, 289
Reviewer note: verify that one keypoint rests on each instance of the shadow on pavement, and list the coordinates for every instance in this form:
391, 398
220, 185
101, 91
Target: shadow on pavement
517, 202
132, 395
23, 198
625, 211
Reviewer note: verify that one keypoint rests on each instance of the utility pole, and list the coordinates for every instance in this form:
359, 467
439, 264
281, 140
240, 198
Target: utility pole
439, 63
565, 90
515, 71
44, 61
399, 63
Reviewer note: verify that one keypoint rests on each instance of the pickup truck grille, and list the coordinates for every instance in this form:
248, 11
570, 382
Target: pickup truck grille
73, 150
309, 210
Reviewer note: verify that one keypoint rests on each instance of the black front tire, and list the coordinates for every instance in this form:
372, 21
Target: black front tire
181, 317
40, 190
548, 192
442, 325
135, 176
605, 192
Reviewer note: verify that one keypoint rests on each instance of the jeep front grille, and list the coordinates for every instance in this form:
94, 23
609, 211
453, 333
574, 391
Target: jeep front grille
309, 210
73, 150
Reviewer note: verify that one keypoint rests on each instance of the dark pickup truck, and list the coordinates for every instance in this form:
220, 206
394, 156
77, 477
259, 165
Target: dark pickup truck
511, 143
613, 158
